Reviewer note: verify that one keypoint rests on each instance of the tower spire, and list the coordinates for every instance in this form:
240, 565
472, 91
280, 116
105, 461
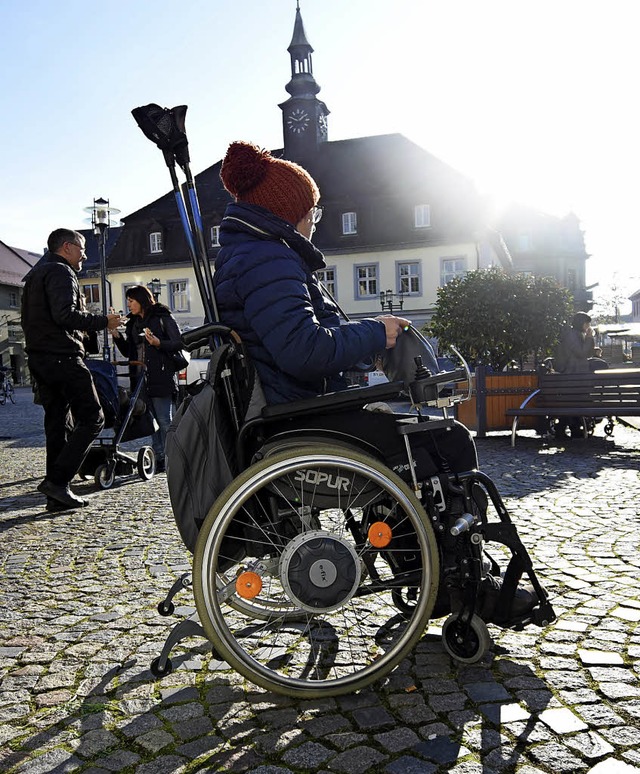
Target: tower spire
304, 115
302, 82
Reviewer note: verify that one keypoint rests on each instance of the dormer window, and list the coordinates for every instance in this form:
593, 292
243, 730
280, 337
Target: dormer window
422, 216
215, 236
155, 241
349, 223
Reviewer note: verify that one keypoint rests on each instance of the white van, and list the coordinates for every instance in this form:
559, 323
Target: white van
197, 368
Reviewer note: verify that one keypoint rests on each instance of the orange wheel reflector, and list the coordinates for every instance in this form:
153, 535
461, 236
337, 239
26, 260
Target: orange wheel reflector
248, 584
379, 534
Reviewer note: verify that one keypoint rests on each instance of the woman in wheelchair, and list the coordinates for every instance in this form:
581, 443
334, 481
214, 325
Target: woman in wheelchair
343, 530
267, 292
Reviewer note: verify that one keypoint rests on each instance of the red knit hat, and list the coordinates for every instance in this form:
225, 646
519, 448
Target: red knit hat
254, 176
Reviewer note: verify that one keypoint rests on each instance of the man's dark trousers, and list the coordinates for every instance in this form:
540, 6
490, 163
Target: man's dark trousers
73, 417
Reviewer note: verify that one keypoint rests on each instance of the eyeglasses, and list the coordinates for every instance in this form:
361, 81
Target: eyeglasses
79, 246
316, 213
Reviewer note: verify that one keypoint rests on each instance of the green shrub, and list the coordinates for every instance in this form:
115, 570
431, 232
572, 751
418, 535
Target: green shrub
494, 317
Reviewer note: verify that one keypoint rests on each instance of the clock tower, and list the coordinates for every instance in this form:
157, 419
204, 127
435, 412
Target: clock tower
304, 116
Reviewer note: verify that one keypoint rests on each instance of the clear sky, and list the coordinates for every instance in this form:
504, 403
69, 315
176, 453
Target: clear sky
536, 101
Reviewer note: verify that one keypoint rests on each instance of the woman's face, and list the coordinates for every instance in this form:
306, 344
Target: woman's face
134, 307
306, 226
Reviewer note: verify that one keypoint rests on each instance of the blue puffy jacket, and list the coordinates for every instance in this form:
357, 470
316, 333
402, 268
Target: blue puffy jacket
266, 291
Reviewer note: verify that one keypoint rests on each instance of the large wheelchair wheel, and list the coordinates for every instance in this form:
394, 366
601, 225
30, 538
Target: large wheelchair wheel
295, 570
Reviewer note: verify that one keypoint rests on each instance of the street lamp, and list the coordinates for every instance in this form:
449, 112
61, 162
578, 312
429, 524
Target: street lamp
101, 214
155, 286
386, 300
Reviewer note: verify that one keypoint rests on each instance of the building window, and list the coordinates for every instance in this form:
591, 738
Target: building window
366, 280
91, 293
155, 242
327, 277
179, 296
13, 299
409, 278
452, 268
525, 243
215, 236
349, 223
422, 216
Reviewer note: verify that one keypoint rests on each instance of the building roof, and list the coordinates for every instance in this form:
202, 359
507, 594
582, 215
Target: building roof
381, 178
14, 264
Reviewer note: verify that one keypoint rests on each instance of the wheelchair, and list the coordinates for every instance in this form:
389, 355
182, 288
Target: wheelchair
318, 567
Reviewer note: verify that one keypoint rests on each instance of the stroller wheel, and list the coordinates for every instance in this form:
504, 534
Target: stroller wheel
105, 475
146, 463
465, 643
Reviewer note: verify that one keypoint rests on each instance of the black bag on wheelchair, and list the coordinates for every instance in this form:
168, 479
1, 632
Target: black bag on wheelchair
200, 445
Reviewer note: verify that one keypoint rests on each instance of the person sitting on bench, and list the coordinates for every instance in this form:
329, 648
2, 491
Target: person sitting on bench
576, 354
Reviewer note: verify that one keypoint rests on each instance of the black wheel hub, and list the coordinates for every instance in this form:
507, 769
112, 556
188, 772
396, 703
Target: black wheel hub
319, 571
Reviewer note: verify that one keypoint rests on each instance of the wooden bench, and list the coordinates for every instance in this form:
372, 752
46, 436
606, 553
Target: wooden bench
609, 393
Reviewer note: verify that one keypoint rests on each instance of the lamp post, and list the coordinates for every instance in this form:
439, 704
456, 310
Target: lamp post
155, 286
101, 214
387, 302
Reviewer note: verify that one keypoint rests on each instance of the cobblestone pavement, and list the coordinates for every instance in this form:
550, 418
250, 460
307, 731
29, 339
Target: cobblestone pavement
79, 627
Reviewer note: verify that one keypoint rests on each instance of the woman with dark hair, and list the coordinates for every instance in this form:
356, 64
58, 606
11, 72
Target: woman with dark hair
151, 335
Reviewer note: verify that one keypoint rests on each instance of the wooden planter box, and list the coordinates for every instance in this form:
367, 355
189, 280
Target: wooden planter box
493, 394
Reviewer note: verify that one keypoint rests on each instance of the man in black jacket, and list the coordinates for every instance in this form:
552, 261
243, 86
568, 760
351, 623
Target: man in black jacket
55, 325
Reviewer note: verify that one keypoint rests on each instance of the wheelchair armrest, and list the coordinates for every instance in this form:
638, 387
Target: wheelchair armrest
197, 337
351, 398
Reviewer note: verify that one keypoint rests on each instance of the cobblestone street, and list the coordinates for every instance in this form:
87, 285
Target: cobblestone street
79, 627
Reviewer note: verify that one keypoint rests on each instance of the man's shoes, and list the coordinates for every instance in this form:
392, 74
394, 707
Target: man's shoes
61, 494
160, 466
53, 506
492, 611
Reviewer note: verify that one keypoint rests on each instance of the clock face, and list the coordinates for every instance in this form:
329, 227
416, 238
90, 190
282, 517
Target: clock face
298, 120
322, 124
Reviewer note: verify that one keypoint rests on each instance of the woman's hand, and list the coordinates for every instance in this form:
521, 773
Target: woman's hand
152, 339
393, 328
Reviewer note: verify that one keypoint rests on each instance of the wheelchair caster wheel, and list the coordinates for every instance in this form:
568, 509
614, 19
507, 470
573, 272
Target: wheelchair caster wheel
405, 600
156, 671
466, 644
165, 609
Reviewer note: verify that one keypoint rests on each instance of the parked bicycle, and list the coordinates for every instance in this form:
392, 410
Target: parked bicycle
7, 390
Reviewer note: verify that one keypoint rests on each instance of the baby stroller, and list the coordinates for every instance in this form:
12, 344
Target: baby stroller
128, 417
316, 566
